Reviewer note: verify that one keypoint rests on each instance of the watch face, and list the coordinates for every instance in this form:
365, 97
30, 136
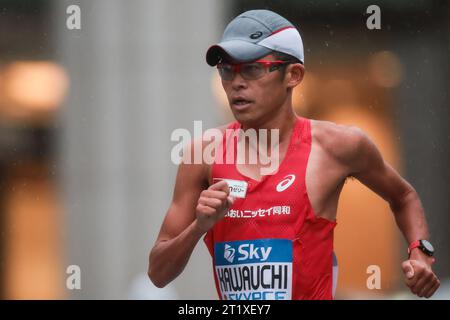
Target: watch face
427, 246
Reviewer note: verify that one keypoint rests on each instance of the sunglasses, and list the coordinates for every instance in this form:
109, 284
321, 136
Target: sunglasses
249, 71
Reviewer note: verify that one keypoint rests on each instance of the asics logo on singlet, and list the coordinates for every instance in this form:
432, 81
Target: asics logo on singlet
229, 253
286, 182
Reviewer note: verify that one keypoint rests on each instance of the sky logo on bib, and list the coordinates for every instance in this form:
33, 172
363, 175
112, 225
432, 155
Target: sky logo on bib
286, 182
254, 269
247, 252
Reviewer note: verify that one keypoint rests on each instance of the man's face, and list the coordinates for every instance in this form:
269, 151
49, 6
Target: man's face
255, 101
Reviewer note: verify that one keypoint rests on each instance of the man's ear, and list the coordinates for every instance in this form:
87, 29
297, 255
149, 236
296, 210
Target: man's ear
294, 74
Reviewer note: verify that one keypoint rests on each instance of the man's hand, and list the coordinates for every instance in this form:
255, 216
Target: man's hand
419, 277
212, 206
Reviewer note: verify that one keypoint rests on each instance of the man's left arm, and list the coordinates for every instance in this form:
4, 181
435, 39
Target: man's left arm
367, 165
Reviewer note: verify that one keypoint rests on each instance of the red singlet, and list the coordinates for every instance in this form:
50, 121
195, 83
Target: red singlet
270, 244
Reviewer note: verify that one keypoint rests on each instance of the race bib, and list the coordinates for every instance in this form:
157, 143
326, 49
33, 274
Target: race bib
254, 269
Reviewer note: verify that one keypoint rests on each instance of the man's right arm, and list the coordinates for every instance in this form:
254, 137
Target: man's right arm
192, 213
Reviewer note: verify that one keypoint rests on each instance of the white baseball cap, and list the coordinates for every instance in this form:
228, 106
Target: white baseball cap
255, 34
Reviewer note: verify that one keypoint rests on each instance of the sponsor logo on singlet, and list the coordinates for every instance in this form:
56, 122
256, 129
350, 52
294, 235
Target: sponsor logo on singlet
273, 212
254, 269
229, 253
286, 182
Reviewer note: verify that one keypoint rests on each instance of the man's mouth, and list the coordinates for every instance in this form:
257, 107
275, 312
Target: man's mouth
240, 103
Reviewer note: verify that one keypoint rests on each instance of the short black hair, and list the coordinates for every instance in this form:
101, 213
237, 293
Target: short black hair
285, 57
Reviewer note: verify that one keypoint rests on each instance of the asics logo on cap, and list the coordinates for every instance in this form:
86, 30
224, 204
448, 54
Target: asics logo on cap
285, 183
256, 35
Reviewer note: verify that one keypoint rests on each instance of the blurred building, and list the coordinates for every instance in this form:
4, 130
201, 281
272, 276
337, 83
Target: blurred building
86, 117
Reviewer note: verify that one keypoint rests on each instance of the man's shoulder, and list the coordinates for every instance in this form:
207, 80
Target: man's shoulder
340, 141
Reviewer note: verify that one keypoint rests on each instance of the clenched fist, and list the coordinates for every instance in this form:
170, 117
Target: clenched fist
419, 277
212, 205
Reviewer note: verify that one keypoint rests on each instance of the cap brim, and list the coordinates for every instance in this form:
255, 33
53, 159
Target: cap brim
238, 50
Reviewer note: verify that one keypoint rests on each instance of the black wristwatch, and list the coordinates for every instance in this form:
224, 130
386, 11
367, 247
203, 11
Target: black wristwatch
424, 245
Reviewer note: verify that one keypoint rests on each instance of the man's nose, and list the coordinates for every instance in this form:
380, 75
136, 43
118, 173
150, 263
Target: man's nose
238, 82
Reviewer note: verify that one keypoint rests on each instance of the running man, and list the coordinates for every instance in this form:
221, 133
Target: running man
271, 235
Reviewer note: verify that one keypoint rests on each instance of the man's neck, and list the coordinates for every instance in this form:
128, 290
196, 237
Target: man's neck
274, 144
284, 121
